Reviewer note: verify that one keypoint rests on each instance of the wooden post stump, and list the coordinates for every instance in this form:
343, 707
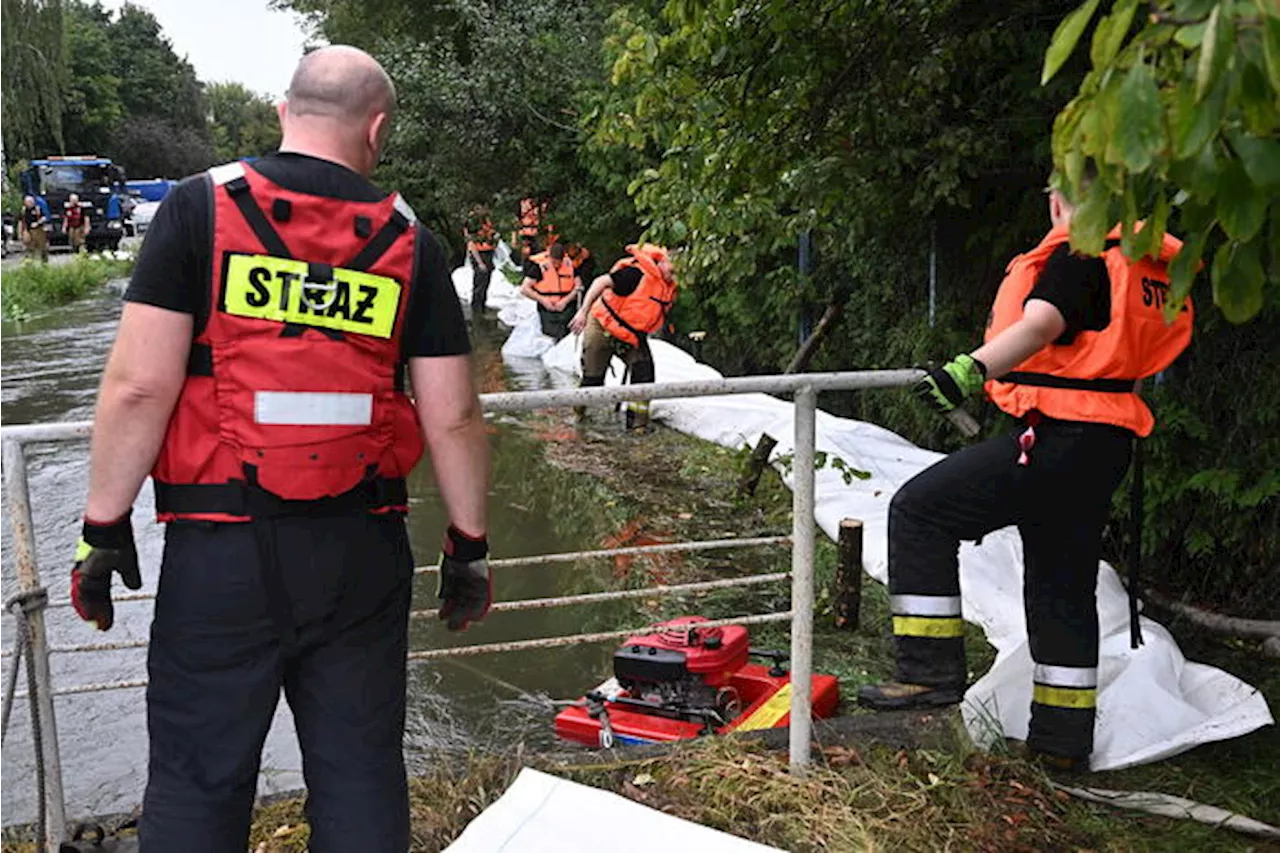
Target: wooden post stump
848, 581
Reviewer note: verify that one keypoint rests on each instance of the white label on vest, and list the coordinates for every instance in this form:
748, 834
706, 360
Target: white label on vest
312, 408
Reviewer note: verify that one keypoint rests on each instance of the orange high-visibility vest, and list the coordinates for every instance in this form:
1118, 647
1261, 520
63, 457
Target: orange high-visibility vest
555, 281
630, 318
1094, 377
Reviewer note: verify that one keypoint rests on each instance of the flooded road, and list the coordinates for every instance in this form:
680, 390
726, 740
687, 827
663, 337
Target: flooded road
51, 367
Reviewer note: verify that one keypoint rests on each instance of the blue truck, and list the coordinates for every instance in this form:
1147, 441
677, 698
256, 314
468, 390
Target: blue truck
98, 182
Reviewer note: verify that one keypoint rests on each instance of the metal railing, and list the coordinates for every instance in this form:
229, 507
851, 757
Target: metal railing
805, 387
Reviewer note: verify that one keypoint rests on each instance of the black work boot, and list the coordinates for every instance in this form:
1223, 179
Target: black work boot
1052, 764
897, 696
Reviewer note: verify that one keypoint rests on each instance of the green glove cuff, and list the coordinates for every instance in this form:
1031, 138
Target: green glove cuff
968, 373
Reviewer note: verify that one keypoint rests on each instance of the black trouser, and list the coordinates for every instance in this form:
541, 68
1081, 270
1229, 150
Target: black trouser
1059, 501
480, 281
219, 658
555, 324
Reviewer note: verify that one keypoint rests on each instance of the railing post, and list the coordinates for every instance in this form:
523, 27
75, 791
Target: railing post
15, 472
848, 585
802, 544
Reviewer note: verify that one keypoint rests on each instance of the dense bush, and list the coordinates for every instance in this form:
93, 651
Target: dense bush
32, 286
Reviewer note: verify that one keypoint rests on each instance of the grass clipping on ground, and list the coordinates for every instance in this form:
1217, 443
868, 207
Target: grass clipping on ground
880, 799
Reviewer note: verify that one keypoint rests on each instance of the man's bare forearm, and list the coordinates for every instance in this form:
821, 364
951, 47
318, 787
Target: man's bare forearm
460, 457
1039, 326
128, 429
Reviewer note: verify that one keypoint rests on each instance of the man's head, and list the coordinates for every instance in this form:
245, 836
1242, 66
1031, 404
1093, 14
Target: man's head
1060, 208
338, 107
556, 251
1062, 205
28, 201
73, 199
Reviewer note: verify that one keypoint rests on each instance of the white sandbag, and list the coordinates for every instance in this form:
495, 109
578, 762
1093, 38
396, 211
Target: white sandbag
526, 339
1152, 702
541, 813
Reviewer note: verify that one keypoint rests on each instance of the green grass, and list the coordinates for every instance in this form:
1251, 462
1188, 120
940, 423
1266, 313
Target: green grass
32, 286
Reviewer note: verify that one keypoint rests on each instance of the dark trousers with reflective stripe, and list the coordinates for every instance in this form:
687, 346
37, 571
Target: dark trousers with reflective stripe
219, 659
1059, 502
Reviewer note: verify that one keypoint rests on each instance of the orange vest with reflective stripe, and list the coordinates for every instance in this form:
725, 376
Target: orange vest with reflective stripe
1093, 378
554, 282
629, 318
482, 239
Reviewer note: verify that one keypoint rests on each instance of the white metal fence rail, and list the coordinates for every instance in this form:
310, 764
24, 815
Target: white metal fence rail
805, 387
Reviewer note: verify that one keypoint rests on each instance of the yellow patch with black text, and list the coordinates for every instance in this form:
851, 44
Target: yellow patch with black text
279, 289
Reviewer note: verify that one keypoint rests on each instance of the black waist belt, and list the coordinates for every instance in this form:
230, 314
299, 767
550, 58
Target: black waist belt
243, 499
1046, 380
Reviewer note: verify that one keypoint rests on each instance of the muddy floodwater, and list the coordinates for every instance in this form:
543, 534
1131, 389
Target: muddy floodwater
51, 366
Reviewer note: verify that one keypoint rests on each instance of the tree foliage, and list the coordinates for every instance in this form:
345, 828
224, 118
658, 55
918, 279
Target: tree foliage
31, 73
244, 123
1180, 116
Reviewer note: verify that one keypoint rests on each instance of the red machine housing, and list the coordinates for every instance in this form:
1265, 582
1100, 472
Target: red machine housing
685, 682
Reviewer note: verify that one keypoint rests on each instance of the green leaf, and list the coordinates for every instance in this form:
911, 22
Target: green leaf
1242, 207
1237, 280
1216, 49
1258, 102
1138, 133
1275, 244
1271, 49
1196, 121
1092, 220
1260, 157
1065, 38
1191, 36
1183, 268
1197, 175
1110, 33
1192, 9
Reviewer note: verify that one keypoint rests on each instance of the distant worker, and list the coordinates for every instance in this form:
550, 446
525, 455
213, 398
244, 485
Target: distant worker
481, 242
258, 375
584, 265
550, 281
530, 226
75, 222
1067, 344
33, 227
623, 307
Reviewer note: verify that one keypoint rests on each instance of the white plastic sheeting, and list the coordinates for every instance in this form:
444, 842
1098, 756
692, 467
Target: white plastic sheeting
1152, 702
540, 813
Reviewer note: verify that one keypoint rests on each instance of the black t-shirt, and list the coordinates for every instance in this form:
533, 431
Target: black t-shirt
174, 265
586, 271
532, 270
626, 280
32, 216
1079, 287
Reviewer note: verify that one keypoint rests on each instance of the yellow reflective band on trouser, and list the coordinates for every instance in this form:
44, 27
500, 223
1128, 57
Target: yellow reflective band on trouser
927, 626
1065, 697
767, 715
269, 288
83, 550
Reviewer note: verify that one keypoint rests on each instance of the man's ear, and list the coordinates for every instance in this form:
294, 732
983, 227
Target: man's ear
379, 130
282, 112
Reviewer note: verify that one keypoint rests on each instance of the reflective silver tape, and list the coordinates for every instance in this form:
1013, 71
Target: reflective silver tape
925, 605
405, 210
226, 173
1066, 676
312, 408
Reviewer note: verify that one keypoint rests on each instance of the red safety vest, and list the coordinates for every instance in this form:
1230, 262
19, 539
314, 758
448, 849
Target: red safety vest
293, 401
73, 215
1094, 377
554, 282
643, 312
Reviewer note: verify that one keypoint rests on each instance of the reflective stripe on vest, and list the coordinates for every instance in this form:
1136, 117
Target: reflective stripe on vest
312, 408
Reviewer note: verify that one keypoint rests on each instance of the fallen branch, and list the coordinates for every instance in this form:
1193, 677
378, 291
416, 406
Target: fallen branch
1260, 629
1167, 805
760, 455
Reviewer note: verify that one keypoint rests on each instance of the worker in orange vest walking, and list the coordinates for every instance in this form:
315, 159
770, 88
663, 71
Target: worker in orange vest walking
1067, 344
481, 242
623, 307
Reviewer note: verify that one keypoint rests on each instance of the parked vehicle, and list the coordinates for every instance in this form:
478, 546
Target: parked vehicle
101, 187
143, 212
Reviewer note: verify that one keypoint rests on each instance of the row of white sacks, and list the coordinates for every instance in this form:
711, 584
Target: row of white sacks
1152, 702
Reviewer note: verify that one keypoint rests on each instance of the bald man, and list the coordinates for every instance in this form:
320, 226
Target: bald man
258, 376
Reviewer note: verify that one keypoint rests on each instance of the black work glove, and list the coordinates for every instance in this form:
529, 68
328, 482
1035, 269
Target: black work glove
103, 549
466, 587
